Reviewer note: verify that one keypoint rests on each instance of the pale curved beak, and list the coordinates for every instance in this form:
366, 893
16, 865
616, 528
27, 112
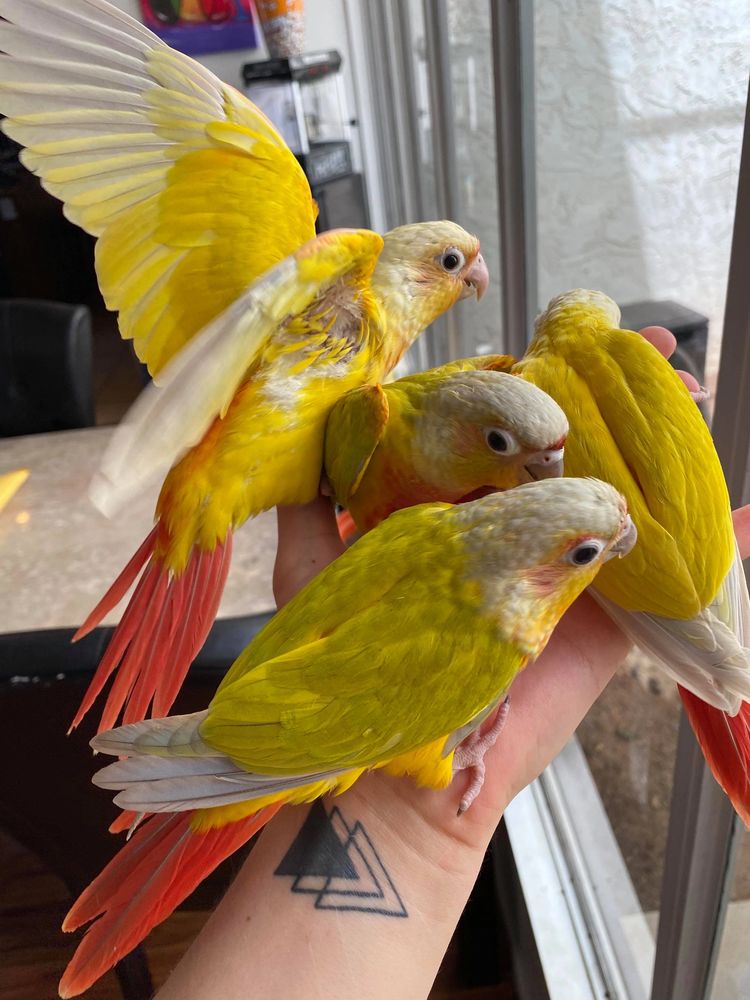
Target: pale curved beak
546, 464
626, 541
476, 279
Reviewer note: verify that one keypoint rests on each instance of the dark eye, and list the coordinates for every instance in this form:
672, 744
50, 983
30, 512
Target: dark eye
585, 553
501, 442
452, 259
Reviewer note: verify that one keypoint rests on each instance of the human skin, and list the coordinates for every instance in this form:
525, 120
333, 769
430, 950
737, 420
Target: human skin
265, 939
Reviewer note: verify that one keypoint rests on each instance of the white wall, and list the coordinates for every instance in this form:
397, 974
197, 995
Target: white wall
325, 28
640, 108
226, 65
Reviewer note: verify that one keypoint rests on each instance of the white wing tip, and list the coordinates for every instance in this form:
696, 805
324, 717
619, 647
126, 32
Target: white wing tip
104, 496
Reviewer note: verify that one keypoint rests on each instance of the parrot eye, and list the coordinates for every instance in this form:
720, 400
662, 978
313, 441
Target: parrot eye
452, 260
501, 442
585, 552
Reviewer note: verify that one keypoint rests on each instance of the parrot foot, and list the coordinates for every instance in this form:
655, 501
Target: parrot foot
701, 394
469, 755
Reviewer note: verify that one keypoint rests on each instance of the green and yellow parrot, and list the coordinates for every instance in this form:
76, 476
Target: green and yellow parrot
681, 595
251, 326
449, 434
382, 661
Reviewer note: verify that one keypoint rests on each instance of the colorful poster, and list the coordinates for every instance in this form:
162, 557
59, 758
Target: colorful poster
202, 26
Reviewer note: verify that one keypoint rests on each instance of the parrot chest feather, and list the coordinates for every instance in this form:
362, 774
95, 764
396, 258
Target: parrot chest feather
270, 441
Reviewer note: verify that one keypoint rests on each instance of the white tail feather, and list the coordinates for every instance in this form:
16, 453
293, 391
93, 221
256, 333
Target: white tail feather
705, 654
177, 734
168, 768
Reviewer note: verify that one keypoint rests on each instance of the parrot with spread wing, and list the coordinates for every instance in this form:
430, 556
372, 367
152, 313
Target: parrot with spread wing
681, 595
450, 434
381, 661
251, 326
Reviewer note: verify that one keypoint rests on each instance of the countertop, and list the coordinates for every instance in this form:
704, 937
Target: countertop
58, 554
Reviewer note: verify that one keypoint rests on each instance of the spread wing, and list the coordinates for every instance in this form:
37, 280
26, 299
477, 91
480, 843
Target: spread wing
190, 190
387, 658
199, 383
354, 430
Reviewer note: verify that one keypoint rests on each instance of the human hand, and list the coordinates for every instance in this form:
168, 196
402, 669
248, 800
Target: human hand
317, 928
548, 701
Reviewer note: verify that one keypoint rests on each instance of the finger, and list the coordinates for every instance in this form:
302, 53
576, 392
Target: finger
550, 697
308, 541
666, 343
691, 382
741, 520
663, 340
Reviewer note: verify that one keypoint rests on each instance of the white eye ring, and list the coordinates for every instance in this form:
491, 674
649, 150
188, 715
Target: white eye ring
585, 552
501, 441
452, 260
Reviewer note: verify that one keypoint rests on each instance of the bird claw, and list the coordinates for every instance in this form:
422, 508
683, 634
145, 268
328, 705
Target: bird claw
701, 394
469, 755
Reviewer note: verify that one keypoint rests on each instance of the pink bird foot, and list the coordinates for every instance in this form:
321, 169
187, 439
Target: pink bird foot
469, 755
701, 394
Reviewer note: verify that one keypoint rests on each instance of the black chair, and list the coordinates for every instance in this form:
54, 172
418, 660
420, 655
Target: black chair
47, 802
46, 381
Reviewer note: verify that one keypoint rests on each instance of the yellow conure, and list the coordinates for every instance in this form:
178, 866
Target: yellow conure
681, 594
251, 326
451, 434
382, 661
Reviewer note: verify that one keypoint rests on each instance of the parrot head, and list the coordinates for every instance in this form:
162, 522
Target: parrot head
480, 431
580, 307
534, 549
423, 270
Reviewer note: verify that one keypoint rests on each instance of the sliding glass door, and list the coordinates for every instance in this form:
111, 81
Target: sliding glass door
597, 144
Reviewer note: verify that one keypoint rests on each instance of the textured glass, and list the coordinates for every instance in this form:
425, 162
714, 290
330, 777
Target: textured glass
639, 113
472, 122
732, 981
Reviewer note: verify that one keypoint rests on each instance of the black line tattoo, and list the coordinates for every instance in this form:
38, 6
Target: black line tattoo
339, 865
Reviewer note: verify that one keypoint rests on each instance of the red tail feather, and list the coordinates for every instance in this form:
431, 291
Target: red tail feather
124, 821
725, 742
160, 633
121, 585
152, 874
347, 527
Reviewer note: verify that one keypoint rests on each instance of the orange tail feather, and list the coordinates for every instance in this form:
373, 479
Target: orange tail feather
347, 527
121, 585
152, 874
161, 631
725, 742
124, 821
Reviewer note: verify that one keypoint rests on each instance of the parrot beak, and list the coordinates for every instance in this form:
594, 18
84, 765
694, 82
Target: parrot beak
626, 541
546, 464
476, 279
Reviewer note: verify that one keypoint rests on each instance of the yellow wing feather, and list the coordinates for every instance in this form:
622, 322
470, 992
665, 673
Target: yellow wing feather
341, 688
190, 189
354, 429
633, 424
218, 394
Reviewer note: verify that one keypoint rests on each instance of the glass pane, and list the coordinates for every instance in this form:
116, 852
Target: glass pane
639, 114
638, 131
472, 122
469, 33
732, 981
